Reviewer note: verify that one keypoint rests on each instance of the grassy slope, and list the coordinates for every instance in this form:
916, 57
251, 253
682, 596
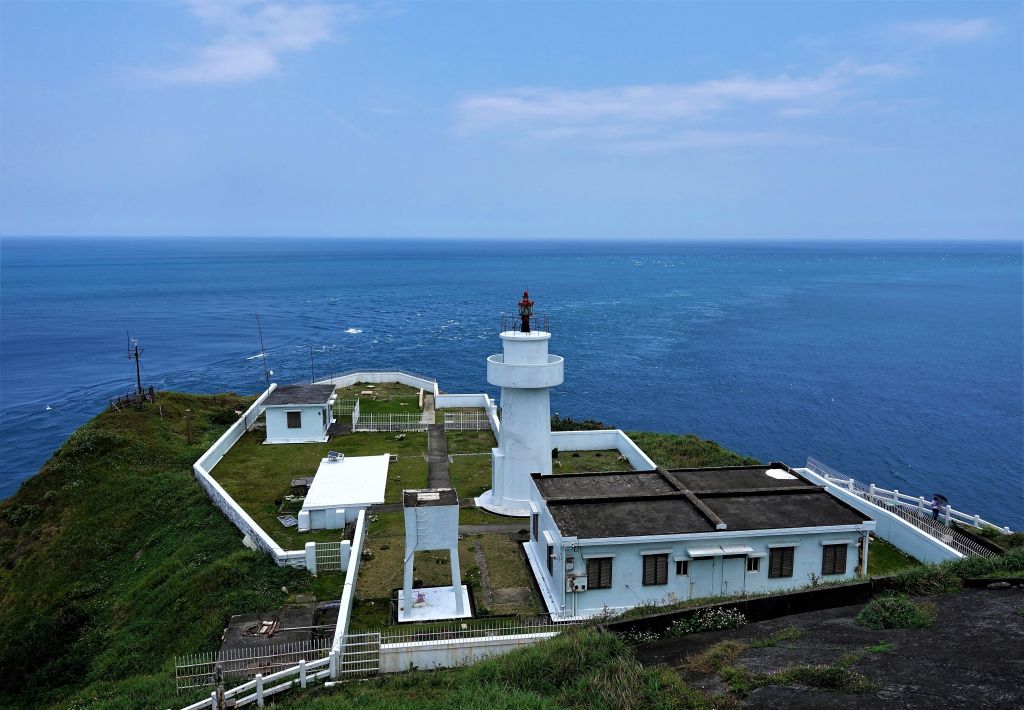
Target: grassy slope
112, 560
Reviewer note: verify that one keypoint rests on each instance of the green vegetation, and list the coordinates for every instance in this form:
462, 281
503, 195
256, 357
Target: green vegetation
256, 474
687, 451
578, 669
714, 658
476, 516
707, 620
470, 442
948, 576
471, 475
885, 558
896, 611
113, 559
790, 633
590, 461
836, 676
881, 647
1007, 541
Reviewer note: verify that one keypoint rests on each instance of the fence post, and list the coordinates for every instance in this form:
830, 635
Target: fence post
920, 504
948, 508
302, 673
896, 496
259, 689
871, 493
977, 521
333, 664
849, 484
213, 700
311, 557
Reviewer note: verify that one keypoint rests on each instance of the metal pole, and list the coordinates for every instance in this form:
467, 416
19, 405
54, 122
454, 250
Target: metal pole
312, 378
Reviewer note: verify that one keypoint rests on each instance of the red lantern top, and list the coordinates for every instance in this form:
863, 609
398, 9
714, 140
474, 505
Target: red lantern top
525, 311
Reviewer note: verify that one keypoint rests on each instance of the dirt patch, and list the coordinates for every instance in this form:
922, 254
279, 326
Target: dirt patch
969, 658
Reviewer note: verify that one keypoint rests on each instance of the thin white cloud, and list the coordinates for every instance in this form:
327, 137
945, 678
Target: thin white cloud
249, 37
948, 31
664, 114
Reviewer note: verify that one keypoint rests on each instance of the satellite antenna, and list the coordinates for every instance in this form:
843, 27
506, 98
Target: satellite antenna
263, 352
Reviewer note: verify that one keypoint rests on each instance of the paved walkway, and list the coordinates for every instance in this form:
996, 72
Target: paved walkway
438, 473
486, 529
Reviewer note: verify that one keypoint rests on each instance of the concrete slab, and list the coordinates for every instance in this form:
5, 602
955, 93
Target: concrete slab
440, 605
486, 501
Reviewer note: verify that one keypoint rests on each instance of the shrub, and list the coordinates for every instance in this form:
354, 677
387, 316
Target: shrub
896, 611
707, 620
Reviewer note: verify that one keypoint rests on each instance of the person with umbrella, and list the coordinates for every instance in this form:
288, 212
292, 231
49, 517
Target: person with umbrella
939, 502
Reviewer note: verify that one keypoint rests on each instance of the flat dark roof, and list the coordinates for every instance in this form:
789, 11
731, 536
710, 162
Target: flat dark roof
299, 394
424, 497
628, 504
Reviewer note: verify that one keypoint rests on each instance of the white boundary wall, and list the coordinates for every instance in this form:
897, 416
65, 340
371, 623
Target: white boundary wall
381, 376
226, 504
470, 401
890, 527
426, 655
600, 440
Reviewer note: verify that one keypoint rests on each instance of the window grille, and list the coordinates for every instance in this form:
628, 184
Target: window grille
682, 568
780, 562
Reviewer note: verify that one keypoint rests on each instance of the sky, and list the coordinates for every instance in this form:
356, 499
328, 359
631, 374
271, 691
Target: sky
599, 120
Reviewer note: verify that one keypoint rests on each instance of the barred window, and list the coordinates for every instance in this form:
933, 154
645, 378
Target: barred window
780, 562
599, 573
294, 420
682, 567
753, 564
655, 569
833, 559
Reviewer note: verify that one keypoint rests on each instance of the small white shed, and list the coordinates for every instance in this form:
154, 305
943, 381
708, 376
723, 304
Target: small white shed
341, 488
299, 414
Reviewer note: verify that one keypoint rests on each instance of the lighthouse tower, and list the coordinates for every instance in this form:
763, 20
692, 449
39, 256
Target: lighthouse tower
525, 371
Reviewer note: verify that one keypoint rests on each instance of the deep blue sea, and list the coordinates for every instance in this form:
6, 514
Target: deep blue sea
898, 363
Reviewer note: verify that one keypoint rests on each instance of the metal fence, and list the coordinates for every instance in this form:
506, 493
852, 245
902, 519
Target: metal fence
328, 557
466, 421
343, 406
491, 628
387, 422
197, 670
360, 655
916, 511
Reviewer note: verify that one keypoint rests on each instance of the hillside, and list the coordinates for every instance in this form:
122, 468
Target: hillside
113, 560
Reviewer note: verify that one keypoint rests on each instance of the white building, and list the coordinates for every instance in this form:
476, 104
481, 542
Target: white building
612, 541
341, 488
299, 414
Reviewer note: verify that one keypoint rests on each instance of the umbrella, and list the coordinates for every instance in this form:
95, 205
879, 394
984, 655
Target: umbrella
941, 498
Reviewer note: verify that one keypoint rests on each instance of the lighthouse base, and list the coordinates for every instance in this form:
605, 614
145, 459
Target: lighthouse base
510, 508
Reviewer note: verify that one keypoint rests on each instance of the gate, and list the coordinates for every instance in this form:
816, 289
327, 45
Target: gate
360, 656
328, 557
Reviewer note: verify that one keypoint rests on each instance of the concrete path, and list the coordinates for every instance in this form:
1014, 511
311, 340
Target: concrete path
429, 414
438, 473
487, 529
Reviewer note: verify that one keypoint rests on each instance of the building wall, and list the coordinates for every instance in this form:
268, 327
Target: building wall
602, 440
314, 427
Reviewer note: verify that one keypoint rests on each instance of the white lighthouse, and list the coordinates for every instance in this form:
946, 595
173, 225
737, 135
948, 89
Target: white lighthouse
525, 371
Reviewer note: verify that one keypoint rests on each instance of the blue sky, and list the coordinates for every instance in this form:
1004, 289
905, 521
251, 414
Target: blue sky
831, 120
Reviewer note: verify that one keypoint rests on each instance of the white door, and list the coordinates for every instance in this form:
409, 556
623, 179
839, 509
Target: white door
734, 572
702, 577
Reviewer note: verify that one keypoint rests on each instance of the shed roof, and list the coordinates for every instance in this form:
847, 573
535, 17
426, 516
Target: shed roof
661, 502
353, 480
291, 395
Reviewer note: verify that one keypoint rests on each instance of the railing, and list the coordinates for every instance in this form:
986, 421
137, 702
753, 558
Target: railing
383, 371
463, 421
198, 670
387, 422
303, 673
914, 510
540, 323
344, 405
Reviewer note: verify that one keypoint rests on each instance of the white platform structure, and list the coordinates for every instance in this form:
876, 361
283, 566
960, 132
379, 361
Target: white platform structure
525, 371
341, 489
432, 523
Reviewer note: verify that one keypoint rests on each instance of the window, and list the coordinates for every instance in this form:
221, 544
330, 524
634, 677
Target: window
682, 567
780, 562
753, 564
551, 559
294, 420
833, 559
599, 573
536, 524
655, 569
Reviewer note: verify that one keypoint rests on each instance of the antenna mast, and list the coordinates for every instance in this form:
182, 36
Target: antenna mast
133, 354
263, 352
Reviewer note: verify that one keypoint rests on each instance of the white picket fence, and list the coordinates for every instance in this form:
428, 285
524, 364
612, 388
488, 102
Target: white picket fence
466, 421
344, 405
387, 422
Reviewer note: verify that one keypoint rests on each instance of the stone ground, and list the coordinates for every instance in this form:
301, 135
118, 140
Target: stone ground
972, 657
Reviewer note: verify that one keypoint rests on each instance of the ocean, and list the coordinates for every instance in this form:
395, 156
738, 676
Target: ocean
900, 364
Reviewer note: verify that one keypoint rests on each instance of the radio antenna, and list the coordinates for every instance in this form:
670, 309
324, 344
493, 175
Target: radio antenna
133, 354
263, 352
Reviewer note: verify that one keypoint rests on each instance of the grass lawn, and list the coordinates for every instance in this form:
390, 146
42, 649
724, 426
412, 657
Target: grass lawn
476, 516
589, 461
470, 442
884, 558
380, 390
255, 474
471, 475
392, 405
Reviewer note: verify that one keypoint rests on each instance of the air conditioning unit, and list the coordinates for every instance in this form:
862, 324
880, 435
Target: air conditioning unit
576, 583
